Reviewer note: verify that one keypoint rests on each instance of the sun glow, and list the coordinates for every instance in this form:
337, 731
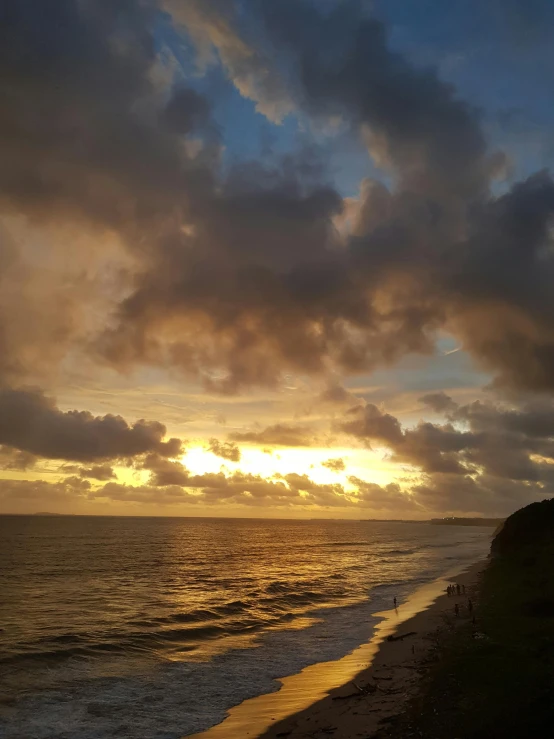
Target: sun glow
366, 464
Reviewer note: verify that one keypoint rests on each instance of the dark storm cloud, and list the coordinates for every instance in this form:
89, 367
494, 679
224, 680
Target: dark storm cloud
238, 275
280, 434
31, 422
225, 450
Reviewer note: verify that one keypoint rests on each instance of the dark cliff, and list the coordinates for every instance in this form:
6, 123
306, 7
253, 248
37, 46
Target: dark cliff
527, 532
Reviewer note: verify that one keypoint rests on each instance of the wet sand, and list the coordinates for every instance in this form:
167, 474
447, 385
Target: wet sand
360, 707
353, 696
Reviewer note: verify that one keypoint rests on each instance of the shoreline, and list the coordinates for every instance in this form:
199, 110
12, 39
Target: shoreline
381, 691
321, 700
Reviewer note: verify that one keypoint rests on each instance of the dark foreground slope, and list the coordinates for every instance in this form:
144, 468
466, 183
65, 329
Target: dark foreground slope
495, 679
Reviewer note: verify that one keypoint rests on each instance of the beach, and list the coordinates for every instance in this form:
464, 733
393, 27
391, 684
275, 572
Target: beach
356, 694
363, 706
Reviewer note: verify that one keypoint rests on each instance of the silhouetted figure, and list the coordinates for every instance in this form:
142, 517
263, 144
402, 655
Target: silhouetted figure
469, 605
464, 589
457, 589
448, 591
456, 610
394, 601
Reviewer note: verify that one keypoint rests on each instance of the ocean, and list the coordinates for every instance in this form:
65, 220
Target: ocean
151, 628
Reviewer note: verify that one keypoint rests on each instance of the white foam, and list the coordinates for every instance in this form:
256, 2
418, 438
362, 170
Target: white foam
173, 699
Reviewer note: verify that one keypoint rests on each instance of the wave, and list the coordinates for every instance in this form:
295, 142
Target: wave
445, 545
133, 641
398, 552
83, 646
333, 544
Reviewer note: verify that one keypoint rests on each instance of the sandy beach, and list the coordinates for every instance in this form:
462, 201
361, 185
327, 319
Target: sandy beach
355, 695
361, 707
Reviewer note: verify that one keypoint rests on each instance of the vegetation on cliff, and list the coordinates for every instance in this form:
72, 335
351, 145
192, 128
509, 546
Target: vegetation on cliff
495, 678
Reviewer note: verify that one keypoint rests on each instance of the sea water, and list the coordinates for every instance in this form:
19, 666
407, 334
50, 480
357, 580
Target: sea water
151, 628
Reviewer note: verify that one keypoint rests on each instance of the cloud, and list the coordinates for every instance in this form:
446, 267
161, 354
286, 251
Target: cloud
31, 422
439, 402
225, 450
39, 310
280, 434
504, 269
238, 275
14, 459
212, 25
94, 152
390, 496
100, 472
306, 299
454, 471
38, 492
335, 465
368, 422
126, 240
144, 494
163, 471
416, 124
336, 393
505, 455
106, 154
252, 491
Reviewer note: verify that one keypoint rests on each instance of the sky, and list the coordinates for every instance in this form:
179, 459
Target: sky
276, 258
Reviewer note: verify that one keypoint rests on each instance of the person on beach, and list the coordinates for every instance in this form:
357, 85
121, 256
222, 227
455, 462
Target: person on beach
469, 605
456, 610
394, 601
463, 589
448, 591
458, 588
